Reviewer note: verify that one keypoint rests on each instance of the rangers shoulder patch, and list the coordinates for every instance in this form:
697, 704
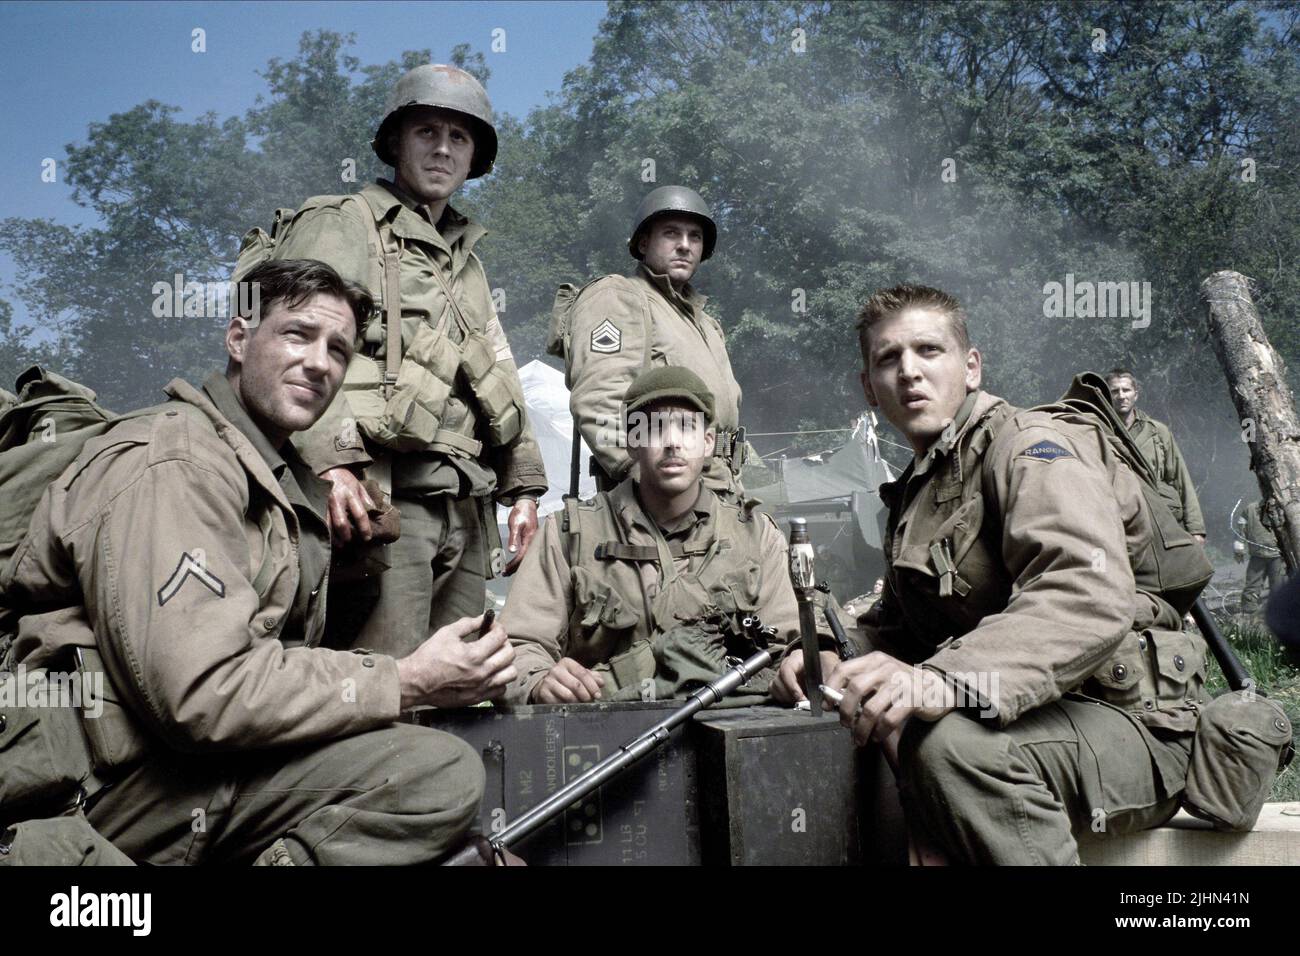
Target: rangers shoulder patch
1045, 451
606, 338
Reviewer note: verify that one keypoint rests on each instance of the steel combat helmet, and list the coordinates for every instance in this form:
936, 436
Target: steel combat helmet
670, 199
448, 88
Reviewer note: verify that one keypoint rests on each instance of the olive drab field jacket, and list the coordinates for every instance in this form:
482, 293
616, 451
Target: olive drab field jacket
1157, 443
603, 593
458, 452
169, 552
624, 324
1019, 547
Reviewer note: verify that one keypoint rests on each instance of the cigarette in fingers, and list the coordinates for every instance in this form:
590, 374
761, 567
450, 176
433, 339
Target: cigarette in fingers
832, 694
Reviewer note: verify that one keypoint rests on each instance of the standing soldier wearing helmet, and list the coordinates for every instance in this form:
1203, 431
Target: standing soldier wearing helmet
431, 405
617, 326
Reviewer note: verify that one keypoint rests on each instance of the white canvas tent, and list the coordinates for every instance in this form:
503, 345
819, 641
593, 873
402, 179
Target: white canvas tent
547, 399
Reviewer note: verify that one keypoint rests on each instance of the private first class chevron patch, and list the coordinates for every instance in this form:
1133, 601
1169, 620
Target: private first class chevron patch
190, 566
1045, 451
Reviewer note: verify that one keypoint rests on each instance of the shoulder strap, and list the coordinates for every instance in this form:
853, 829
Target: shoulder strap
386, 276
461, 322
571, 525
645, 325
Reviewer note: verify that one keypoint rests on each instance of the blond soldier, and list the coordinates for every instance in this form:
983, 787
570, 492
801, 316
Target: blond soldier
1040, 681
643, 589
622, 325
432, 402
187, 550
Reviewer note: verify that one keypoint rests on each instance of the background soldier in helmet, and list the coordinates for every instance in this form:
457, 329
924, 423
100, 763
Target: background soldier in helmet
621, 325
432, 401
1157, 443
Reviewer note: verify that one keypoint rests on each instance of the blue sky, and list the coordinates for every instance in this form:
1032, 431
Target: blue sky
66, 65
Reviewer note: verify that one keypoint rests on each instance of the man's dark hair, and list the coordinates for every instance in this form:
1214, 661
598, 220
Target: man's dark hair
885, 303
1123, 373
293, 282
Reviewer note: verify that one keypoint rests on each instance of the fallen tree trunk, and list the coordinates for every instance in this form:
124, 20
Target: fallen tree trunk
1257, 381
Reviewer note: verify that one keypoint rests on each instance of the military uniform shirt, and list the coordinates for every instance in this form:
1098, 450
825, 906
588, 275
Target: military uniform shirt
1157, 443
313, 544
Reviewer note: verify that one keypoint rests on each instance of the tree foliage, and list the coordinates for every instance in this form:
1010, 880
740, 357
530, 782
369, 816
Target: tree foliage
985, 148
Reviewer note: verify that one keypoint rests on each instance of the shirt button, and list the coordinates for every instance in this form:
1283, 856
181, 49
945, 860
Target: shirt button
3, 720
1119, 672
1149, 704
367, 662
1279, 723
1179, 662
1142, 643
268, 623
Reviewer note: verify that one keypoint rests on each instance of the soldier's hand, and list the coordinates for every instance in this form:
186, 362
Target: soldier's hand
1200, 539
787, 689
446, 671
348, 506
881, 693
568, 682
523, 525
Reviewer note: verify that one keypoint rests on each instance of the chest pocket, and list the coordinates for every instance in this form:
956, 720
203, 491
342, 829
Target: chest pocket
735, 591
271, 558
604, 620
949, 568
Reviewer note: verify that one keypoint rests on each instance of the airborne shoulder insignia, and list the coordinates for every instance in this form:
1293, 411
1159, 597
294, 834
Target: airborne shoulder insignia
606, 338
1045, 451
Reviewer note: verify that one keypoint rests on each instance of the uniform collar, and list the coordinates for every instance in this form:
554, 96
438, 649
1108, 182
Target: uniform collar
688, 299
283, 478
627, 502
388, 201
970, 413
217, 387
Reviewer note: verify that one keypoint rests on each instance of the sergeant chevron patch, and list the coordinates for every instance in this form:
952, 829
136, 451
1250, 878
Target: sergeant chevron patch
606, 338
189, 567
1045, 451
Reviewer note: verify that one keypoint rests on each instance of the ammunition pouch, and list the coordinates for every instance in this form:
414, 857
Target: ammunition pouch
67, 840
1158, 676
407, 416
1242, 743
630, 675
115, 739
45, 764
498, 400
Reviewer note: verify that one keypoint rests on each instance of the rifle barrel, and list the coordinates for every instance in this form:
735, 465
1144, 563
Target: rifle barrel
1233, 671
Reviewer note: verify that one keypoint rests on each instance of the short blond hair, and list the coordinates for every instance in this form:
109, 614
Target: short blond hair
885, 303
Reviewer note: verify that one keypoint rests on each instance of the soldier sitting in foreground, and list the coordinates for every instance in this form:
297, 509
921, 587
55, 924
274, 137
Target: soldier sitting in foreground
189, 551
1041, 684
641, 592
